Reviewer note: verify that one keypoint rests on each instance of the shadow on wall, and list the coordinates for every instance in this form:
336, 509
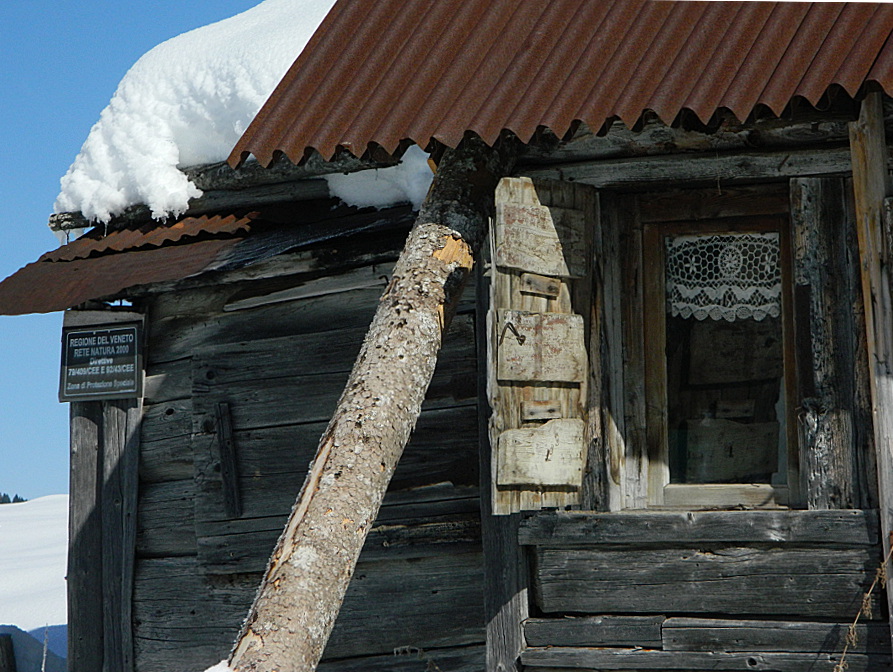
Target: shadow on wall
28, 648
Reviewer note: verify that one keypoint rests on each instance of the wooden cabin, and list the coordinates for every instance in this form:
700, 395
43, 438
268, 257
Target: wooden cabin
659, 432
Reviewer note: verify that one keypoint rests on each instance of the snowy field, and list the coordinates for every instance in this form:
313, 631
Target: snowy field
33, 547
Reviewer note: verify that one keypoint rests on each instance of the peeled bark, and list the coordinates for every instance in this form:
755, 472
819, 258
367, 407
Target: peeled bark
300, 596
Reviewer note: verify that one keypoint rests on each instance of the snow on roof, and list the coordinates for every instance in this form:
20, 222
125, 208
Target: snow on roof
184, 103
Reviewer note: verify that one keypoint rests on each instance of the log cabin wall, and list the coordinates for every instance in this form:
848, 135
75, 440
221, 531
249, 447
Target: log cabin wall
639, 582
242, 379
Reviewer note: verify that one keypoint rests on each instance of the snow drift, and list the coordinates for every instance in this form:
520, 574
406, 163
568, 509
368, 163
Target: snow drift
186, 103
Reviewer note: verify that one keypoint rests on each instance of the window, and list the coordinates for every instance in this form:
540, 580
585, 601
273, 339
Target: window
718, 362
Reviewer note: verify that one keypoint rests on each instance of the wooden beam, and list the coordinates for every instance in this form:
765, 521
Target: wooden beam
549, 659
505, 562
85, 611
706, 168
578, 529
871, 185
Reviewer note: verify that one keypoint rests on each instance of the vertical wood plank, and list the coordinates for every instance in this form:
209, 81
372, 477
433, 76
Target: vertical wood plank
635, 479
825, 355
505, 562
232, 500
871, 187
85, 605
120, 457
655, 335
611, 351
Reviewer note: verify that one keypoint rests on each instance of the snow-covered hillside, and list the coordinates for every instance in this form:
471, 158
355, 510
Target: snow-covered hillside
33, 552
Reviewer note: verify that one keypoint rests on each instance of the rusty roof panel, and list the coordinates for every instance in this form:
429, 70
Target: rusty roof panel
150, 235
45, 286
381, 72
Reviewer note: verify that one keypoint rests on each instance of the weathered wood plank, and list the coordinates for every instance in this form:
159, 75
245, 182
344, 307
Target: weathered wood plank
711, 203
824, 326
828, 528
180, 335
454, 659
709, 168
871, 184
591, 659
120, 451
506, 573
540, 239
167, 420
166, 460
165, 519
402, 603
85, 610
168, 381
544, 347
550, 455
702, 634
403, 530
642, 631
657, 137
813, 582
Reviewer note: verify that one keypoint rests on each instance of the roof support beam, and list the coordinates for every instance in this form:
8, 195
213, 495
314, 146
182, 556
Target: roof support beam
300, 596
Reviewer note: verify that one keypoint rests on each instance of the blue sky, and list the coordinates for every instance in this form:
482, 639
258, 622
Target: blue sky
60, 61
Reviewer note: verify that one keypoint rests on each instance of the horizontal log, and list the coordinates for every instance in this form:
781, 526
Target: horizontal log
702, 634
168, 381
180, 335
166, 420
248, 186
643, 631
708, 168
658, 138
165, 519
830, 528
406, 530
711, 203
389, 605
168, 459
557, 658
411, 659
826, 583
273, 461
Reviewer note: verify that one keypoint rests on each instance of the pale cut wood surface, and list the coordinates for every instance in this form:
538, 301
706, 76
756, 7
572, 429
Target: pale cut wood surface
540, 347
539, 378
542, 240
550, 455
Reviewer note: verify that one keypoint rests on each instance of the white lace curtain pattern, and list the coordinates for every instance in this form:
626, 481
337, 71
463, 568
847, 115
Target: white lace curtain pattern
729, 276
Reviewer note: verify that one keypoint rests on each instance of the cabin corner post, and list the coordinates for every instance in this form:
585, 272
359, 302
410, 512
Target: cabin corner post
871, 186
102, 534
505, 561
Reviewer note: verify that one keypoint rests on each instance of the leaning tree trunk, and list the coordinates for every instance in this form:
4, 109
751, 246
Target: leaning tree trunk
300, 596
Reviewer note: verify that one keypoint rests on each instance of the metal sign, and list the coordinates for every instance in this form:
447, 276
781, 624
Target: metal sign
101, 362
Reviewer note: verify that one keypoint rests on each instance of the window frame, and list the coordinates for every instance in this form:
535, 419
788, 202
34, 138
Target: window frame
662, 493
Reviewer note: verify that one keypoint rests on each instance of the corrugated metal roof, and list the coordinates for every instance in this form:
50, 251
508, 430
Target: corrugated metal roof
153, 234
381, 72
46, 286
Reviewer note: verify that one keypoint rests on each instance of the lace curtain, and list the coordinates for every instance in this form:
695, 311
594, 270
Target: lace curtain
729, 276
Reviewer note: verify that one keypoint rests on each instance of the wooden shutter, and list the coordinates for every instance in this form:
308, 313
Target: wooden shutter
538, 363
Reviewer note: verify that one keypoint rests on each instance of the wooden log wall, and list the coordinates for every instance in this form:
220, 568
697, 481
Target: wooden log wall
229, 374
717, 590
